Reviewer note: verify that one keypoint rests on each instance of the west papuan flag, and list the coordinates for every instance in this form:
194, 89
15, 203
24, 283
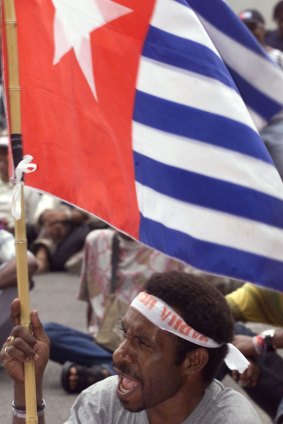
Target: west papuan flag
131, 113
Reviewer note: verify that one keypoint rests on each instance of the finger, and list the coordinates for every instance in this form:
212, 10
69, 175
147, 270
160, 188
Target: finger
38, 330
4, 356
14, 353
15, 311
23, 333
19, 351
249, 379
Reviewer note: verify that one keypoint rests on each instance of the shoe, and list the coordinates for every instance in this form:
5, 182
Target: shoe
83, 377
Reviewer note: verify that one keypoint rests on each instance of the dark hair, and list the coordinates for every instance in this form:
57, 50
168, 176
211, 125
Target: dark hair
277, 10
251, 15
202, 306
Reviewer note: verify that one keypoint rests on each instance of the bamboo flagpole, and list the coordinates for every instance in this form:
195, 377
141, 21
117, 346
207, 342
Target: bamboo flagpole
20, 226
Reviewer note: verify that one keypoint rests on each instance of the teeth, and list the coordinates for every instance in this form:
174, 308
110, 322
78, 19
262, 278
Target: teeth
123, 390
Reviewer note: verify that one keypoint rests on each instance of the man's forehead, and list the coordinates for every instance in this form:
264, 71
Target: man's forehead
134, 316
137, 325
135, 320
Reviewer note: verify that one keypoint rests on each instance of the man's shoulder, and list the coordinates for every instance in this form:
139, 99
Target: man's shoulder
101, 403
98, 400
228, 406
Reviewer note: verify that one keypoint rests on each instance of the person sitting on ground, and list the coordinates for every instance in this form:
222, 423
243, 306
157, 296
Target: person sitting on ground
114, 265
251, 303
175, 336
62, 230
274, 38
8, 280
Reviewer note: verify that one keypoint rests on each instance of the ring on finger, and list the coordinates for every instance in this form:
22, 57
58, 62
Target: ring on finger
10, 340
6, 351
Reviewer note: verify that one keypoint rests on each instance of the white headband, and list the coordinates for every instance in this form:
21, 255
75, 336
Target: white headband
164, 317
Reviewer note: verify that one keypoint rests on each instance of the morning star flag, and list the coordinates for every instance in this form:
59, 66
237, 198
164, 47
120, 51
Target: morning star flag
251, 70
131, 114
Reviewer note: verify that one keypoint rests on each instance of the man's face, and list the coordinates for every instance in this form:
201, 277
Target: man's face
259, 32
257, 29
145, 363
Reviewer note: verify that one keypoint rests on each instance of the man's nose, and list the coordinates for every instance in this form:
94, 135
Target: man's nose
124, 351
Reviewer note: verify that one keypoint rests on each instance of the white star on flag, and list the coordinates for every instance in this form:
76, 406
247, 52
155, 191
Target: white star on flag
74, 22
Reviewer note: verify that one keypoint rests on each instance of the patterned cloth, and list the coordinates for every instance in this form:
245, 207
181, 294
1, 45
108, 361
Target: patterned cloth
136, 264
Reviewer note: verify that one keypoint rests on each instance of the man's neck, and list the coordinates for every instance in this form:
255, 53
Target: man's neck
178, 408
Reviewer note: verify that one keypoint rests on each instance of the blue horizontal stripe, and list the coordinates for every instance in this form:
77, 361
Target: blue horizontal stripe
224, 19
193, 123
185, 54
208, 192
210, 257
255, 99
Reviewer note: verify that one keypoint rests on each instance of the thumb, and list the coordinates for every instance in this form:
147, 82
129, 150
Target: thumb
15, 311
37, 327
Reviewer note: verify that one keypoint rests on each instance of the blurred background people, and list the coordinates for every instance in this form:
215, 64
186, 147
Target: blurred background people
61, 232
274, 38
272, 133
255, 22
263, 381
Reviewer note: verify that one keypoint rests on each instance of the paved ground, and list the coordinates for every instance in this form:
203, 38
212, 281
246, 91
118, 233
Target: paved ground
54, 296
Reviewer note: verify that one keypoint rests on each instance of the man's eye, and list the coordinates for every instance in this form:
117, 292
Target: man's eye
142, 342
123, 332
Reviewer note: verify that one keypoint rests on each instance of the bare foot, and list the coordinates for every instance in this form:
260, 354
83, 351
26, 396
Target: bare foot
42, 260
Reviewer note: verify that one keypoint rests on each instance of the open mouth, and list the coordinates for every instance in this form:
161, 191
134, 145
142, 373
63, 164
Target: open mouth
126, 386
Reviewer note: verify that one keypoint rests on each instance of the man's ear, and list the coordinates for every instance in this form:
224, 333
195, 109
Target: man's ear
195, 360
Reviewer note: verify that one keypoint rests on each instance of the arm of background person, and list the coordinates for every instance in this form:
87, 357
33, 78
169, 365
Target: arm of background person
8, 272
64, 214
246, 346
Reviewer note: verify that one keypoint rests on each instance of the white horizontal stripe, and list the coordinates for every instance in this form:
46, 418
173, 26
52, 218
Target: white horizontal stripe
211, 226
258, 71
257, 119
191, 89
206, 159
181, 21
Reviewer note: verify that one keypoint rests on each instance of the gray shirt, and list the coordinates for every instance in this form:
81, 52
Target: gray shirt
99, 405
